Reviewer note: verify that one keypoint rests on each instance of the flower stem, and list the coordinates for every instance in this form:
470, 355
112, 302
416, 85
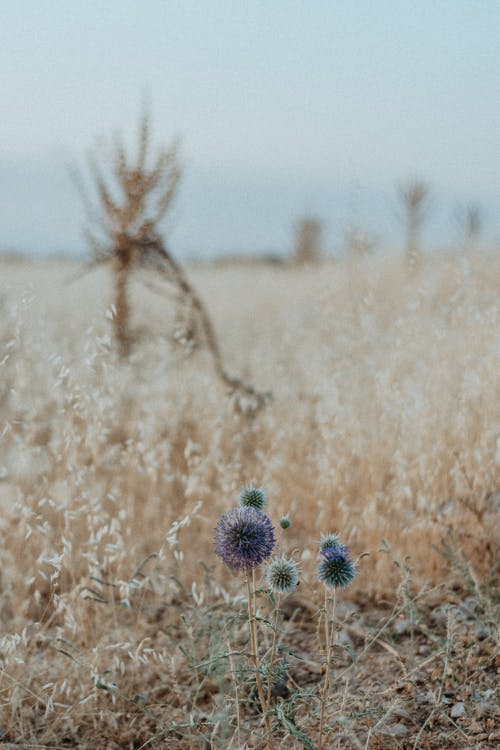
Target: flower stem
273, 649
330, 636
236, 695
255, 653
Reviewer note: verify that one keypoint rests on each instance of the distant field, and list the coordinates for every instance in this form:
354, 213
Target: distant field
384, 424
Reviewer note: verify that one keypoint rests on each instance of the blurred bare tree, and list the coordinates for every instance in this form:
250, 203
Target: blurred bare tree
130, 202
123, 230
469, 220
414, 198
308, 241
358, 243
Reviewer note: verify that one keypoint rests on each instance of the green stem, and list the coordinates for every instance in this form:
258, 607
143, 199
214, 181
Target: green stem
330, 636
255, 653
273, 649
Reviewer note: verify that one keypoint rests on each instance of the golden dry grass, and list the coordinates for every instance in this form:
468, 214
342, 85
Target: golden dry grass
384, 425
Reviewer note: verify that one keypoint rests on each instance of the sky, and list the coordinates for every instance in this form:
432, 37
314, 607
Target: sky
284, 109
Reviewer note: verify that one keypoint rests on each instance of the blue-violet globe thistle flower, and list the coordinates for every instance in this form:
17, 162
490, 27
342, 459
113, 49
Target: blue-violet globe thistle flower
253, 497
244, 538
282, 575
336, 569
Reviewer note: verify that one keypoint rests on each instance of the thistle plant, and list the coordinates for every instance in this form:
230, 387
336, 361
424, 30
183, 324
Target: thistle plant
335, 570
244, 538
282, 577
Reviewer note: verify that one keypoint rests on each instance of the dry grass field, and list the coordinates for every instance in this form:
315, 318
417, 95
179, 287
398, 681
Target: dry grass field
120, 628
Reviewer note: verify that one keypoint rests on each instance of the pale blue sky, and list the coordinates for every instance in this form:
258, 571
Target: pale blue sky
284, 107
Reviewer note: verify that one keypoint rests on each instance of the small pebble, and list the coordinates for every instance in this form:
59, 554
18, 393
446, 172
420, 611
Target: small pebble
457, 711
397, 730
402, 626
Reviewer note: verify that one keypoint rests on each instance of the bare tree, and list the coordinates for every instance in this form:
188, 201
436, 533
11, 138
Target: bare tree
130, 202
470, 224
123, 230
308, 240
358, 243
414, 196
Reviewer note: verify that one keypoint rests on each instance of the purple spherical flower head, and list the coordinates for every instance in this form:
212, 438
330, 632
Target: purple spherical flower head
340, 552
244, 538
